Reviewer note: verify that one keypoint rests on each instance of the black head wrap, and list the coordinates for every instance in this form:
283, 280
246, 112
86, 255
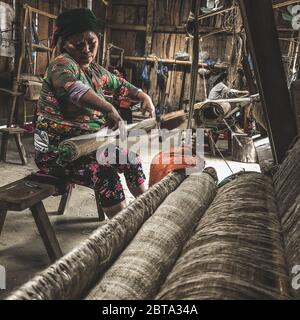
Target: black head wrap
220, 77
74, 21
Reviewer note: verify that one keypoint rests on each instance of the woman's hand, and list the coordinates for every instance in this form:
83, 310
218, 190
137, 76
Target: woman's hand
147, 104
113, 119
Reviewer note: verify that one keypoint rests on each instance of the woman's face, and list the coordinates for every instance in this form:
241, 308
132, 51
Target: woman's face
82, 47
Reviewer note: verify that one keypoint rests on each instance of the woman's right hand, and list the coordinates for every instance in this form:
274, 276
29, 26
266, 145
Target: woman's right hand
113, 119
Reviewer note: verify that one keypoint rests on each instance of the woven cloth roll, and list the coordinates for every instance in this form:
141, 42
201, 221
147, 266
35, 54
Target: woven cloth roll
144, 264
75, 273
74, 148
236, 250
287, 187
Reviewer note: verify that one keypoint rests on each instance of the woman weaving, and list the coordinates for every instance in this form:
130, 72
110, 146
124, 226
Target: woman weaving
72, 103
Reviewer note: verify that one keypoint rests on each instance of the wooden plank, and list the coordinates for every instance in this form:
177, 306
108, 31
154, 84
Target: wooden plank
107, 31
265, 50
149, 28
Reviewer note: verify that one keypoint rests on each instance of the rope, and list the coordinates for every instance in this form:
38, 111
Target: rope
238, 141
221, 154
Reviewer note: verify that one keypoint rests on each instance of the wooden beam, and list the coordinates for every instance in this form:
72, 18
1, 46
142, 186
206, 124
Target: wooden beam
149, 28
139, 3
264, 46
195, 62
42, 13
163, 29
284, 4
128, 27
182, 29
169, 61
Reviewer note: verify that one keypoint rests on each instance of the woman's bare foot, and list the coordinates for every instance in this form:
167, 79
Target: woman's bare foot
138, 191
113, 210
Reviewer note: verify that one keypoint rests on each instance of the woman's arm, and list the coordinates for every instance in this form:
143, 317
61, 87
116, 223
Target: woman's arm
122, 87
92, 100
147, 103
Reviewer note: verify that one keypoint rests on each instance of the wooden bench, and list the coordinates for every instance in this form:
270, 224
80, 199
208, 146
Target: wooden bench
29, 193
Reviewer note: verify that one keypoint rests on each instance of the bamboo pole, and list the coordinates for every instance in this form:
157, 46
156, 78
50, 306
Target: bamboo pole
169, 61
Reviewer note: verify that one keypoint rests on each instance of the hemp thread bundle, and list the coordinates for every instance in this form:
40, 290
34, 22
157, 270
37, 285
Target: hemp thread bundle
236, 250
74, 148
76, 272
145, 263
287, 188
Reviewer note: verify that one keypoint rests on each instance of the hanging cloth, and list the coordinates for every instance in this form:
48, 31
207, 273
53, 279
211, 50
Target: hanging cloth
162, 75
145, 77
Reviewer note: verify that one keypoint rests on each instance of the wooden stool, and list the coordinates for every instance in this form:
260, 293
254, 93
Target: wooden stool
10, 130
16, 132
30, 193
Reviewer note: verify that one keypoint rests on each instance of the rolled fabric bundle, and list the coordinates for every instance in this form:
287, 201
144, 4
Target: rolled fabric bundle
287, 179
287, 188
74, 148
236, 250
211, 112
145, 263
71, 276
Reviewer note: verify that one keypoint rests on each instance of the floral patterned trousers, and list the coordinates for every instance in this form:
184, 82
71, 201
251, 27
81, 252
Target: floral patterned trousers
103, 178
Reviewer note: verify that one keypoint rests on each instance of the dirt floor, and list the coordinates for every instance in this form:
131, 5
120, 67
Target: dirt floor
21, 250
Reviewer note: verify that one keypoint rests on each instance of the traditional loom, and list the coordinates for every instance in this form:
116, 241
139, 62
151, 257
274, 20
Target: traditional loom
74, 148
187, 239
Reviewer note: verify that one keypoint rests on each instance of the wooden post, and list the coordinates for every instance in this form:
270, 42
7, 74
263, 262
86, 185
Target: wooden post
46, 231
149, 28
3, 213
264, 46
106, 37
21, 148
195, 62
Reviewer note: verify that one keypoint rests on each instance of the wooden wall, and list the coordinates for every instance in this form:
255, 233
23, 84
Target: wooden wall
45, 30
128, 30
165, 42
